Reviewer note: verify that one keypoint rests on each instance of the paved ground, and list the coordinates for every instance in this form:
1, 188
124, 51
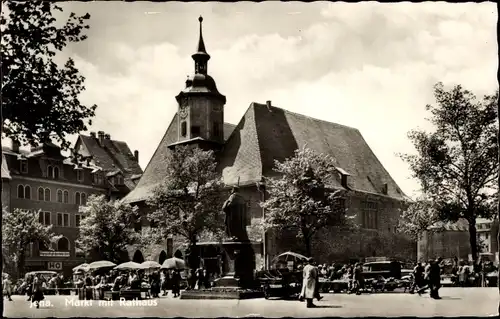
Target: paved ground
455, 302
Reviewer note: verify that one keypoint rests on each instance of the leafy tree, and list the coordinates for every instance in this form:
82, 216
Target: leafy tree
188, 203
21, 228
107, 228
300, 200
418, 217
457, 163
39, 97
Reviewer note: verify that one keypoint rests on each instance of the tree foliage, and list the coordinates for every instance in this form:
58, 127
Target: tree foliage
39, 97
107, 228
188, 203
300, 199
457, 163
21, 228
419, 216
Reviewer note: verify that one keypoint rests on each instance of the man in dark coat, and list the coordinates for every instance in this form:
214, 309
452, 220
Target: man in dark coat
435, 278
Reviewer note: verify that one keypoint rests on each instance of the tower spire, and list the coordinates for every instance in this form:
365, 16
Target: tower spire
201, 56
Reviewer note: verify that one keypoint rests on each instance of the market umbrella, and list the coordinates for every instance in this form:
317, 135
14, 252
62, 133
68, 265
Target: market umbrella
173, 263
290, 255
101, 264
83, 267
130, 265
150, 264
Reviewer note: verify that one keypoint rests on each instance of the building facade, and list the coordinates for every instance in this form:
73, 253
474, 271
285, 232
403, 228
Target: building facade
246, 153
55, 186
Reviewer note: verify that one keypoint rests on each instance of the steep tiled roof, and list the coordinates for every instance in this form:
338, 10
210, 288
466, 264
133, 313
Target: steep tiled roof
112, 155
155, 172
264, 135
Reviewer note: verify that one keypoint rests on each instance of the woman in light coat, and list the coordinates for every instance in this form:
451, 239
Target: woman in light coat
310, 274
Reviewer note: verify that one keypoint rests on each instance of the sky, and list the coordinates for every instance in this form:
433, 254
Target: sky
367, 65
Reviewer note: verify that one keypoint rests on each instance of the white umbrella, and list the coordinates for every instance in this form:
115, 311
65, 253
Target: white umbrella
101, 264
150, 264
83, 267
130, 265
174, 263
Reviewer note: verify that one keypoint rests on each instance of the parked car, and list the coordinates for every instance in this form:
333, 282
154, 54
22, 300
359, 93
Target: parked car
386, 269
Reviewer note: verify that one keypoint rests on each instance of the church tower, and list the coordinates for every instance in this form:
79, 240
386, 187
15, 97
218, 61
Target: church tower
200, 105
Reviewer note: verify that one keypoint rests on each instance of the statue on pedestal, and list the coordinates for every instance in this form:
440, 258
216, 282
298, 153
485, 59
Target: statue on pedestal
236, 216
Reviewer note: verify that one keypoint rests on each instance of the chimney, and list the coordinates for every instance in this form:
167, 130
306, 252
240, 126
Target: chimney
268, 104
15, 146
100, 135
107, 136
136, 155
92, 134
385, 190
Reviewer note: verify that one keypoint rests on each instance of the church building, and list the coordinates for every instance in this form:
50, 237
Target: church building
246, 154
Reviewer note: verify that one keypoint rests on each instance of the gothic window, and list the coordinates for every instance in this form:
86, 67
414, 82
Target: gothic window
183, 129
56, 173
77, 220
44, 218
66, 197
27, 192
24, 166
40, 193
59, 196
77, 198
83, 199
195, 131
20, 191
50, 171
47, 195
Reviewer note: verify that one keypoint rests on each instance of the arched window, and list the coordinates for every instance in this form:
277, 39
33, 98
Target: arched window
66, 197
40, 193
183, 129
56, 172
59, 196
63, 244
20, 191
50, 171
83, 199
27, 192
77, 198
47, 195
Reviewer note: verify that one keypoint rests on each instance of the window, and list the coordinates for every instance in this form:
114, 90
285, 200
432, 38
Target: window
79, 175
59, 219
44, 218
66, 220
216, 128
77, 220
50, 171
27, 192
63, 219
195, 131
23, 166
83, 199
119, 180
183, 129
63, 244
370, 215
77, 198
56, 172
66, 197
97, 178
20, 191
112, 180
40, 193
47, 195
59, 196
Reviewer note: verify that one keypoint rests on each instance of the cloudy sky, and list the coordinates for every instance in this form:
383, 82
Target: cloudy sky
367, 65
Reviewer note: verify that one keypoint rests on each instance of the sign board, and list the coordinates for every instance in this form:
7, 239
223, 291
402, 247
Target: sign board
54, 253
54, 265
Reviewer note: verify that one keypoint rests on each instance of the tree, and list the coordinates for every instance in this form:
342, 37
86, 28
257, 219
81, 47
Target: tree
21, 228
107, 228
39, 97
188, 203
419, 216
300, 199
457, 163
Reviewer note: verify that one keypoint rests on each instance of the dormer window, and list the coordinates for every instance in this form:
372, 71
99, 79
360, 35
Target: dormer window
119, 180
53, 172
97, 178
23, 166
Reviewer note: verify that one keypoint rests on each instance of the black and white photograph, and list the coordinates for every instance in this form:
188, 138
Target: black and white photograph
249, 159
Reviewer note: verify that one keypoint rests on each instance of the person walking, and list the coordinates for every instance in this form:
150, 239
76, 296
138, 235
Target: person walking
7, 287
310, 274
176, 281
37, 291
418, 278
435, 278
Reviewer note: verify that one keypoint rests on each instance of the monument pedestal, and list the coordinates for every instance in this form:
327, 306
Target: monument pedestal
238, 281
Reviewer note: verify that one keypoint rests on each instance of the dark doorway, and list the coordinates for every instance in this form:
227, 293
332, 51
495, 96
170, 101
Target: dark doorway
138, 257
178, 254
163, 256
